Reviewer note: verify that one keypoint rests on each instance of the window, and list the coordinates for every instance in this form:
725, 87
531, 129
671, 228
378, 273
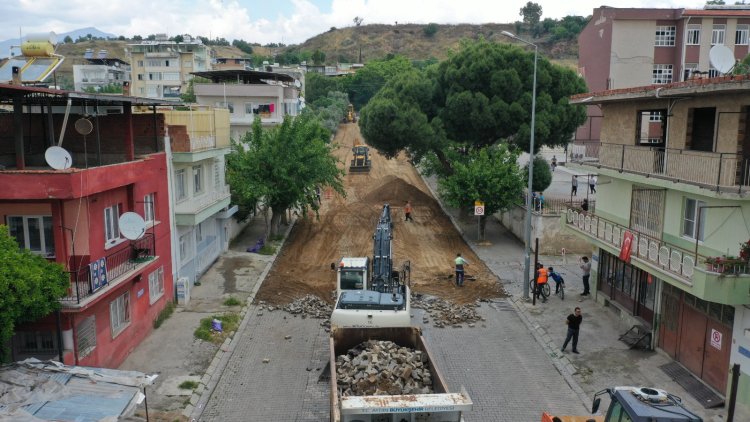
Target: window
184, 245
171, 92
662, 74
33, 233
42, 342
171, 76
618, 414
198, 233
263, 110
140, 63
180, 184
717, 34
713, 73
86, 336
166, 63
741, 35
140, 76
227, 105
665, 36
693, 35
119, 314
217, 176
111, 224
154, 76
197, 179
148, 208
154, 63
690, 70
156, 285
690, 226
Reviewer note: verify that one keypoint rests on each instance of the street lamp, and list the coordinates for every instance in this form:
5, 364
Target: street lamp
527, 228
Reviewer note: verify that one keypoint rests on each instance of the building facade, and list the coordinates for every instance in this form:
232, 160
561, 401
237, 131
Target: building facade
627, 47
200, 195
101, 73
162, 69
70, 214
249, 94
670, 220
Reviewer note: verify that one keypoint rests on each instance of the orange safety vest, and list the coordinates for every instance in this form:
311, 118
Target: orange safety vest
407, 209
541, 276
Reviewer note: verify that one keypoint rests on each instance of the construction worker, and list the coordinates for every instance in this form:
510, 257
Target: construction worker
541, 279
460, 263
407, 211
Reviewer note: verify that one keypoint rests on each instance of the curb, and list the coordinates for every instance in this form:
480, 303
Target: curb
212, 375
563, 365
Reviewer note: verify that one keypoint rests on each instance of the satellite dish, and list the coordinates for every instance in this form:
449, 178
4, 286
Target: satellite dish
721, 58
83, 126
132, 225
58, 158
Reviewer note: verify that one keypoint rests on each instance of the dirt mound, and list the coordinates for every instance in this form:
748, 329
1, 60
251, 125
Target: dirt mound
346, 225
396, 191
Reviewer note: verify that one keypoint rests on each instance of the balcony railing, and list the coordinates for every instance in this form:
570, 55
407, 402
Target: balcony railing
84, 285
655, 252
199, 203
555, 206
720, 171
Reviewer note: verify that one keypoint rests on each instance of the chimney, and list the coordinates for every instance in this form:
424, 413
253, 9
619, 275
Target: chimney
16, 75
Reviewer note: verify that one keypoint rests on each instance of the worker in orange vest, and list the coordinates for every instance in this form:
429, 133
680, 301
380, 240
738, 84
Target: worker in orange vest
541, 279
407, 211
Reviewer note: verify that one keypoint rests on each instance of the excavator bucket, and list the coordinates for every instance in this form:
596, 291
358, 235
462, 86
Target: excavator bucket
360, 160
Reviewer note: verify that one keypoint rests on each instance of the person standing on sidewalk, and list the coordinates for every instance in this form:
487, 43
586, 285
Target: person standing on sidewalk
574, 186
592, 184
460, 263
407, 211
574, 325
586, 268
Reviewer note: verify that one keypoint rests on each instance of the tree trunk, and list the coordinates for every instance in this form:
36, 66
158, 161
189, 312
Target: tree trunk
266, 223
277, 214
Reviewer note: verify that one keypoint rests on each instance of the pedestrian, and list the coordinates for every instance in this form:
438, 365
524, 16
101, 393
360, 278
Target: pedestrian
460, 264
407, 211
574, 186
554, 162
592, 184
586, 268
585, 204
557, 278
541, 200
574, 326
541, 280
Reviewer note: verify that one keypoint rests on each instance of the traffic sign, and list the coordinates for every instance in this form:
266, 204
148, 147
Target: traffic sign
478, 209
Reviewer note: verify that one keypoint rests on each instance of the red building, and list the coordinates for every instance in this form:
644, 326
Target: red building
70, 215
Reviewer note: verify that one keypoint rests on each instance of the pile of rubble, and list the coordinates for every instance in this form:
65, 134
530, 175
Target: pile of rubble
378, 368
444, 313
308, 306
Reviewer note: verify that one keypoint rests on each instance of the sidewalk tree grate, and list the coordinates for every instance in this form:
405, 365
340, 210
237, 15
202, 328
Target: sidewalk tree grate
695, 387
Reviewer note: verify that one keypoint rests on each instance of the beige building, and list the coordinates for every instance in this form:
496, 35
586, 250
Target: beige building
249, 94
162, 68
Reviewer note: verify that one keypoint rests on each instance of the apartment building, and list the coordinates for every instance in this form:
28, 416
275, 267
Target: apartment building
162, 68
671, 219
199, 139
248, 94
626, 47
100, 72
70, 213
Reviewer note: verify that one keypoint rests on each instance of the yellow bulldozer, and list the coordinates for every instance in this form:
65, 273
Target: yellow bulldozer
351, 117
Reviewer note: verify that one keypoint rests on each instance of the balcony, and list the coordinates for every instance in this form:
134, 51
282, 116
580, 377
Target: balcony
194, 210
196, 143
84, 287
719, 171
725, 283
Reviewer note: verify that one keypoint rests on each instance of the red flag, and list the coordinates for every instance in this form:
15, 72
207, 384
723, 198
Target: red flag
627, 242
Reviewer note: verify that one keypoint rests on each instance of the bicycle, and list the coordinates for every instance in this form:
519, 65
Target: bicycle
544, 290
559, 285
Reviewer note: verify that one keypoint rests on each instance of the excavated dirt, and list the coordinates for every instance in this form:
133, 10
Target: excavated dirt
346, 226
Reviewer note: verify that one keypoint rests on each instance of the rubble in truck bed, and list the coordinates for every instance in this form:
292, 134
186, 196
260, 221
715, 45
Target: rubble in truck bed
443, 313
378, 368
308, 306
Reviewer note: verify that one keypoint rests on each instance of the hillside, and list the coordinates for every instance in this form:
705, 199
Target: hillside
377, 41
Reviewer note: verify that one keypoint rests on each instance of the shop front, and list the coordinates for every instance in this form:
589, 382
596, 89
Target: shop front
628, 286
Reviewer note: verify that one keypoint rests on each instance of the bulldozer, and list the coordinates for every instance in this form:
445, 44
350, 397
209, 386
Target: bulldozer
360, 159
351, 117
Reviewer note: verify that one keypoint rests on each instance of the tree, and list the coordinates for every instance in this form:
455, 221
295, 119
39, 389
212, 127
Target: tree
280, 168
430, 30
243, 46
531, 13
178, 39
318, 57
542, 175
31, 286
358, 21
368, 80
137, 38
189, 95
67, 39
490, 175
330, 109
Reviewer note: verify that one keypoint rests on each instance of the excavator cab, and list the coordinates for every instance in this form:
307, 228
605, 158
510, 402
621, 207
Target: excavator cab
360, 159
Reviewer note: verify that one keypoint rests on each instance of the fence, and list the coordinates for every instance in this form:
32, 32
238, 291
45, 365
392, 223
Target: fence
556, 206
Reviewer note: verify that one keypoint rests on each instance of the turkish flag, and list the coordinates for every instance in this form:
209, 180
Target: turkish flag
627, 242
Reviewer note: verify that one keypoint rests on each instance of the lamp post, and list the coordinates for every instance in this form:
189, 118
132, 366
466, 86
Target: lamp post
527, 228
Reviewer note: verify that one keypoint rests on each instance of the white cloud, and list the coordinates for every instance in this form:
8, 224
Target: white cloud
235, 19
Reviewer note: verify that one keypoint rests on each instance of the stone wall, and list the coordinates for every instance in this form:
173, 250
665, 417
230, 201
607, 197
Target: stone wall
548, 228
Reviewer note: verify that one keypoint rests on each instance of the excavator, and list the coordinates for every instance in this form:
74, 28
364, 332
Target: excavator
370, 293
634, 404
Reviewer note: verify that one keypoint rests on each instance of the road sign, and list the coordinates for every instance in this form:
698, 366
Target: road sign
478, 209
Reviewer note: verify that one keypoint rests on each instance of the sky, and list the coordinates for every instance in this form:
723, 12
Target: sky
266, 21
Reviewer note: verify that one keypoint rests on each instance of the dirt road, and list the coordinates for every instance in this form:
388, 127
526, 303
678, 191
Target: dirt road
347, 224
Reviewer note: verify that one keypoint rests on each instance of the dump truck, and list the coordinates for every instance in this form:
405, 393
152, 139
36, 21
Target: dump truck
634, 404
360, 159
439, 406
370, 292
